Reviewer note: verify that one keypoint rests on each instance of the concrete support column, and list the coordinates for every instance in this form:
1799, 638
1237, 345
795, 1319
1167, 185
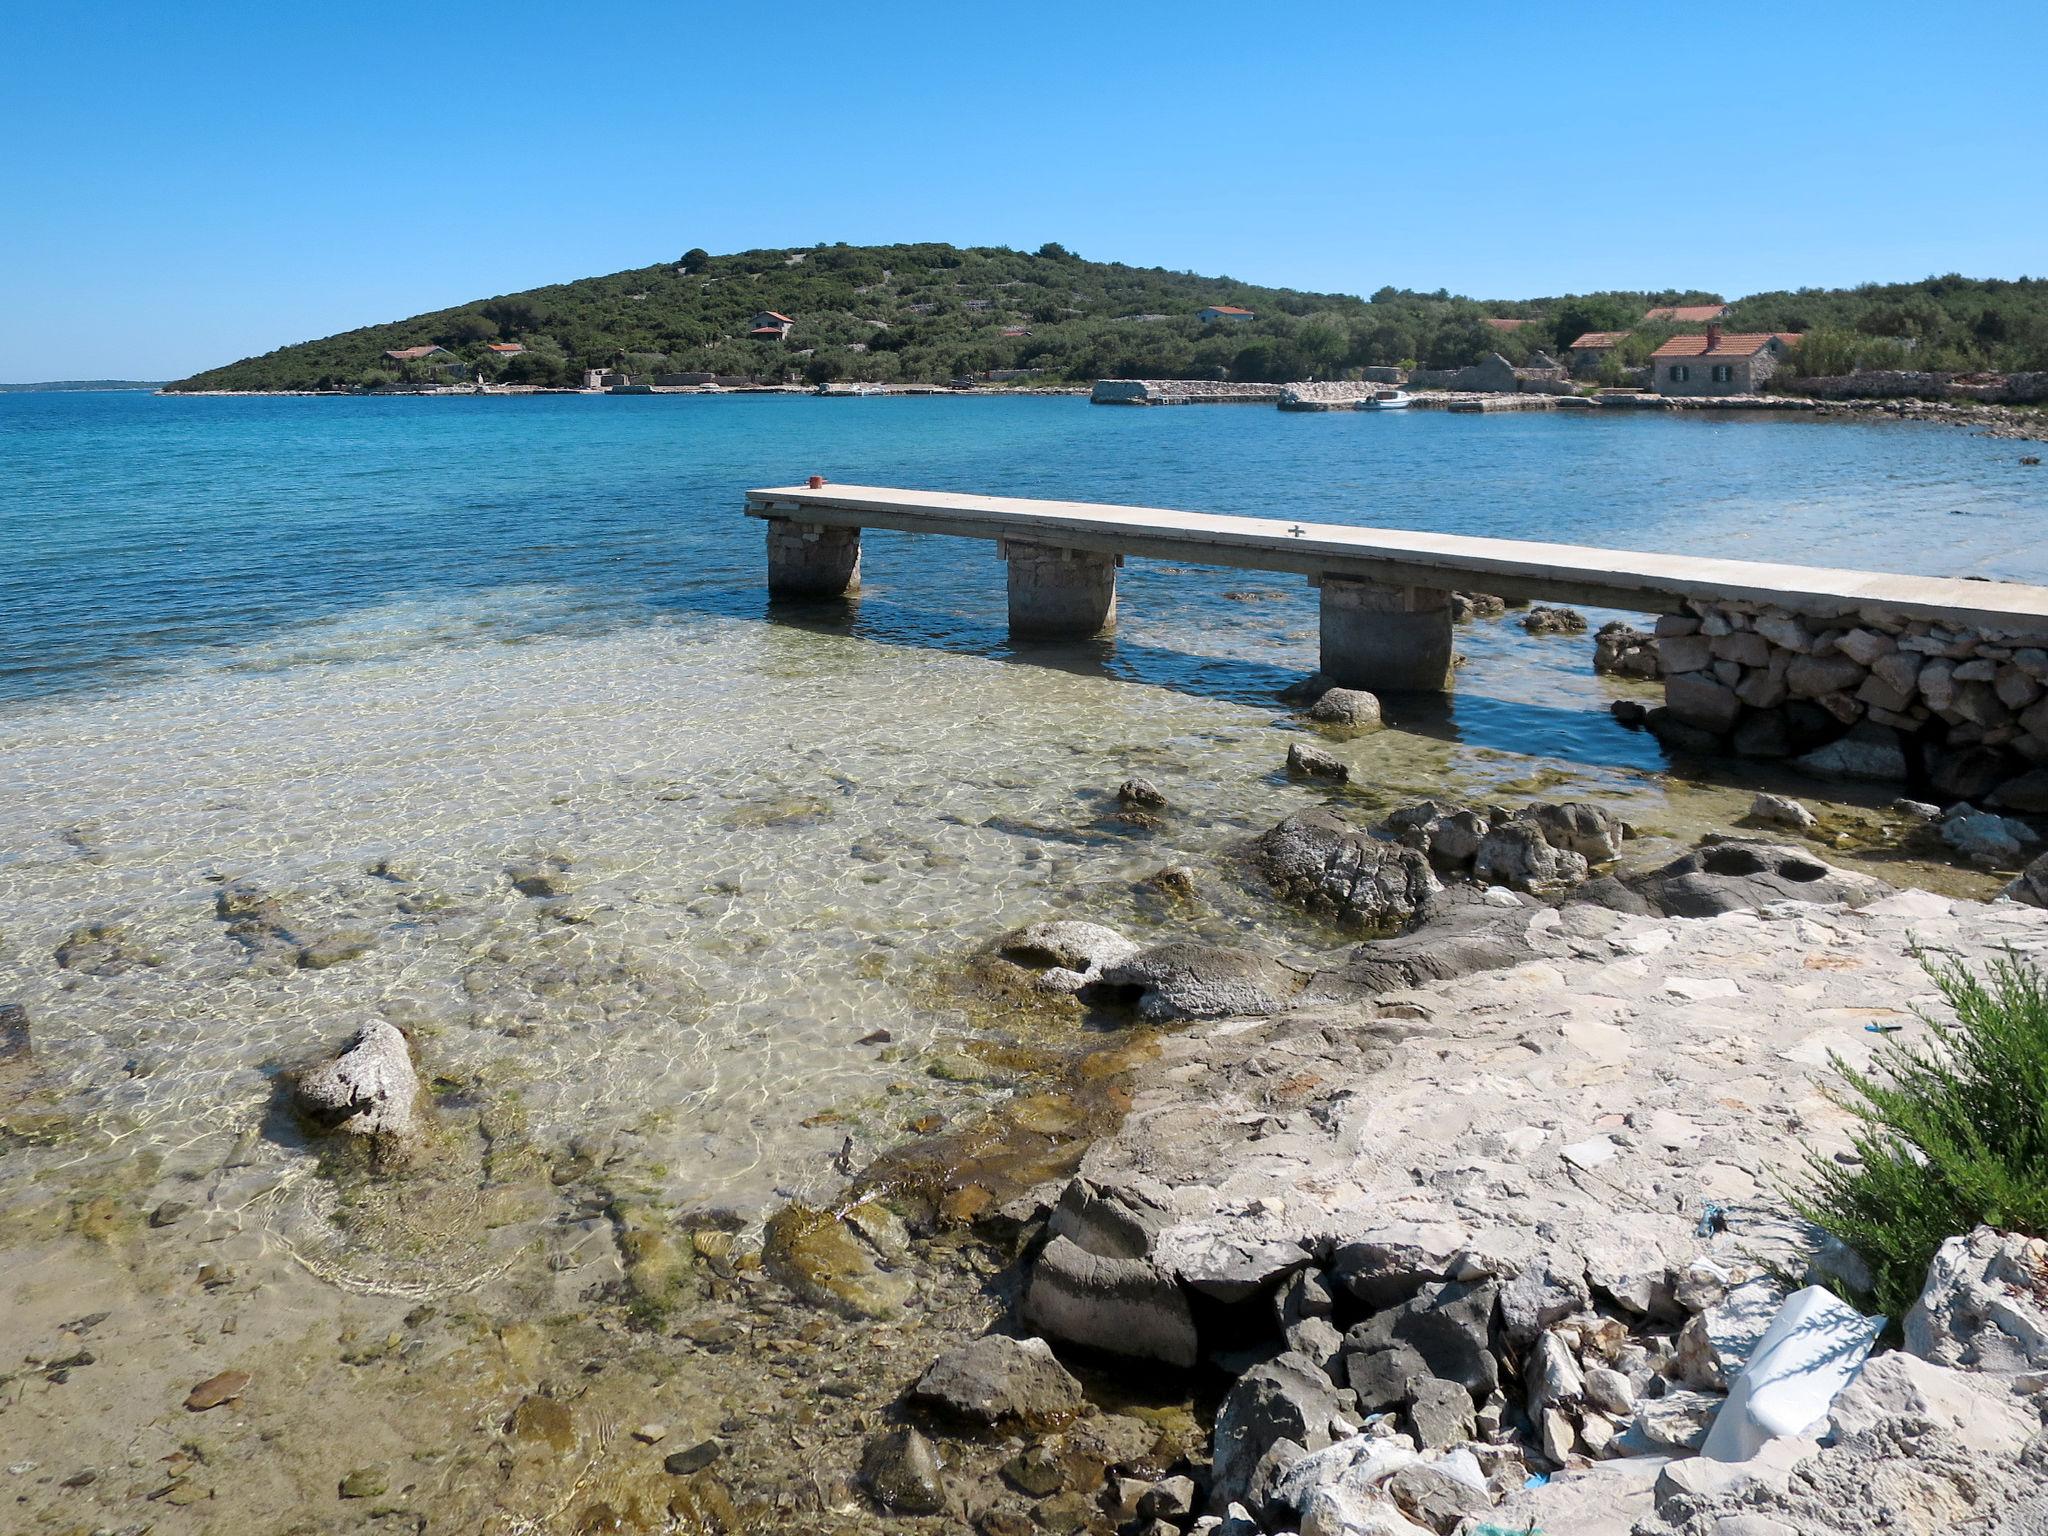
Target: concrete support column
812, 560
1386, 638
1059, 594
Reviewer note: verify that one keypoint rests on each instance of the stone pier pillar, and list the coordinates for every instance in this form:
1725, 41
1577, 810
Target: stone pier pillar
1388, 639
810, 560
1059, 594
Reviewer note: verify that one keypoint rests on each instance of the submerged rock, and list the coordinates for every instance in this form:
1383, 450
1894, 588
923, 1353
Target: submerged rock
103, 949
1312, 762
369, 1089
1142, 793
901, 1470
821, 1260
1351, 707
1466, 606
15, 1053
1987, 839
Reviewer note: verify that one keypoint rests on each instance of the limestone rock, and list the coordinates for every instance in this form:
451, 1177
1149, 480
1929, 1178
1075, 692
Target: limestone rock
1448, 834
1350, 707
1434, 1498
1543, 620
15, 1052
1542, 1294
1517, 853
1199, 981
2027, 793
1768, 810
1695, 699
1552, 1379
1312, 762
369, 1089
1595, 835
1289, 1398
1714, 1343
1625, 651
1869, 752
2031, 888
1067, 954
901, 1470
1141, 793
1124, 1306
1440, 1413
1734, 875
997, 1378
1385, 1265
1322, 862
1995, 842
1985, 1304
1982, 1410
1676, 1421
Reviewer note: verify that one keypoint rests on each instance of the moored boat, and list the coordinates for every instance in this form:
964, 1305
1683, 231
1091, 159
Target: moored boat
1386, 400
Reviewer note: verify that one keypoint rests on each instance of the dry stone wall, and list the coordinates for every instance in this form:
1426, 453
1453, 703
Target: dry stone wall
1863, 694
1181, 392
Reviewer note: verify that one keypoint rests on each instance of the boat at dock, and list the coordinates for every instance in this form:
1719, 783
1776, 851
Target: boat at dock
1386, 400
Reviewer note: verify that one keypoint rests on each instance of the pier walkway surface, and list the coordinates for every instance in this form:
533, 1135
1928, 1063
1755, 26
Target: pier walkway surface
1386, 592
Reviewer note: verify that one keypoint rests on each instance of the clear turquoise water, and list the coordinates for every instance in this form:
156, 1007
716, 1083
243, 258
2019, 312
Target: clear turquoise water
145, 533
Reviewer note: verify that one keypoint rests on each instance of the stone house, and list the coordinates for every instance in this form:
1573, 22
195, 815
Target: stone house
1716, 363
1591, 351
1216, 312
770, 325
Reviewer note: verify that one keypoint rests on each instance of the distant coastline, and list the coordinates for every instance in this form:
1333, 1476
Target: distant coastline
82, 386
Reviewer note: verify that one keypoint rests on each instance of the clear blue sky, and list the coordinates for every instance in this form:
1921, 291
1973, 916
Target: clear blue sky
184, 184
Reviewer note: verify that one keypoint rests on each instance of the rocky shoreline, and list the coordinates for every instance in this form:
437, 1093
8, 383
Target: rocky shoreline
1473, 1226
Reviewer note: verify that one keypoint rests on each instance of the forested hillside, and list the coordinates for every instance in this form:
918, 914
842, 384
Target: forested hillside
930, 313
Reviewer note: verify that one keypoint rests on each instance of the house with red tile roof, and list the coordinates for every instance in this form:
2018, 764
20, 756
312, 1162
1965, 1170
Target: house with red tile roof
1217, 312
1717, 362
1594, 348
413, 354
1686, 314
771, 325
505, 348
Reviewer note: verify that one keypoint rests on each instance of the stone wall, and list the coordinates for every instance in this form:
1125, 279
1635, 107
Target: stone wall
1907, 384
1863, 694
1181, 392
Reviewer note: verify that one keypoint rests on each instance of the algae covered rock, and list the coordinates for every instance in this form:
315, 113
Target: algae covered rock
819, 1258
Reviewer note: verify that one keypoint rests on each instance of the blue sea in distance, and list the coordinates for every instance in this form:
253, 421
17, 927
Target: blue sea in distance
142, 534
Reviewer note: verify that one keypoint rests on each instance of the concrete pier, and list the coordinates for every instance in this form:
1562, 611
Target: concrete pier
812, 560
1386, 638
1058, 593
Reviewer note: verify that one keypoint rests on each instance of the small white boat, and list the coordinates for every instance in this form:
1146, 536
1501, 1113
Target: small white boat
1386, 400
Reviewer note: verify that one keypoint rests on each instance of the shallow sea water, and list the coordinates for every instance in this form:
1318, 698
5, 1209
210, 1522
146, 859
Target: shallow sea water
295, 641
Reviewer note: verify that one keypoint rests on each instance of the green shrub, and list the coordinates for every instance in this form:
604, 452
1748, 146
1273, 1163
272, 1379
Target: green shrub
1952, 1136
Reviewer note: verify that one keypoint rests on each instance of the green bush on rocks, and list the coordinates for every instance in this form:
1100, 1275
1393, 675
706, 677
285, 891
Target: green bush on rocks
1953, 1137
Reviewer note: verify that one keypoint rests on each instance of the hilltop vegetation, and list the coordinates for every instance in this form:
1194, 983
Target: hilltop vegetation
929, 313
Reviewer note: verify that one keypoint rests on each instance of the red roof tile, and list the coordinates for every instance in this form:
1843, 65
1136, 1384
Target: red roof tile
1684, 313
1228, 309
1747, 345
774, 315
413, 354
506, 347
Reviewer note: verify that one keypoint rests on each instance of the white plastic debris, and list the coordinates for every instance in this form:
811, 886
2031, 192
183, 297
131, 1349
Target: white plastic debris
1812, 1350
